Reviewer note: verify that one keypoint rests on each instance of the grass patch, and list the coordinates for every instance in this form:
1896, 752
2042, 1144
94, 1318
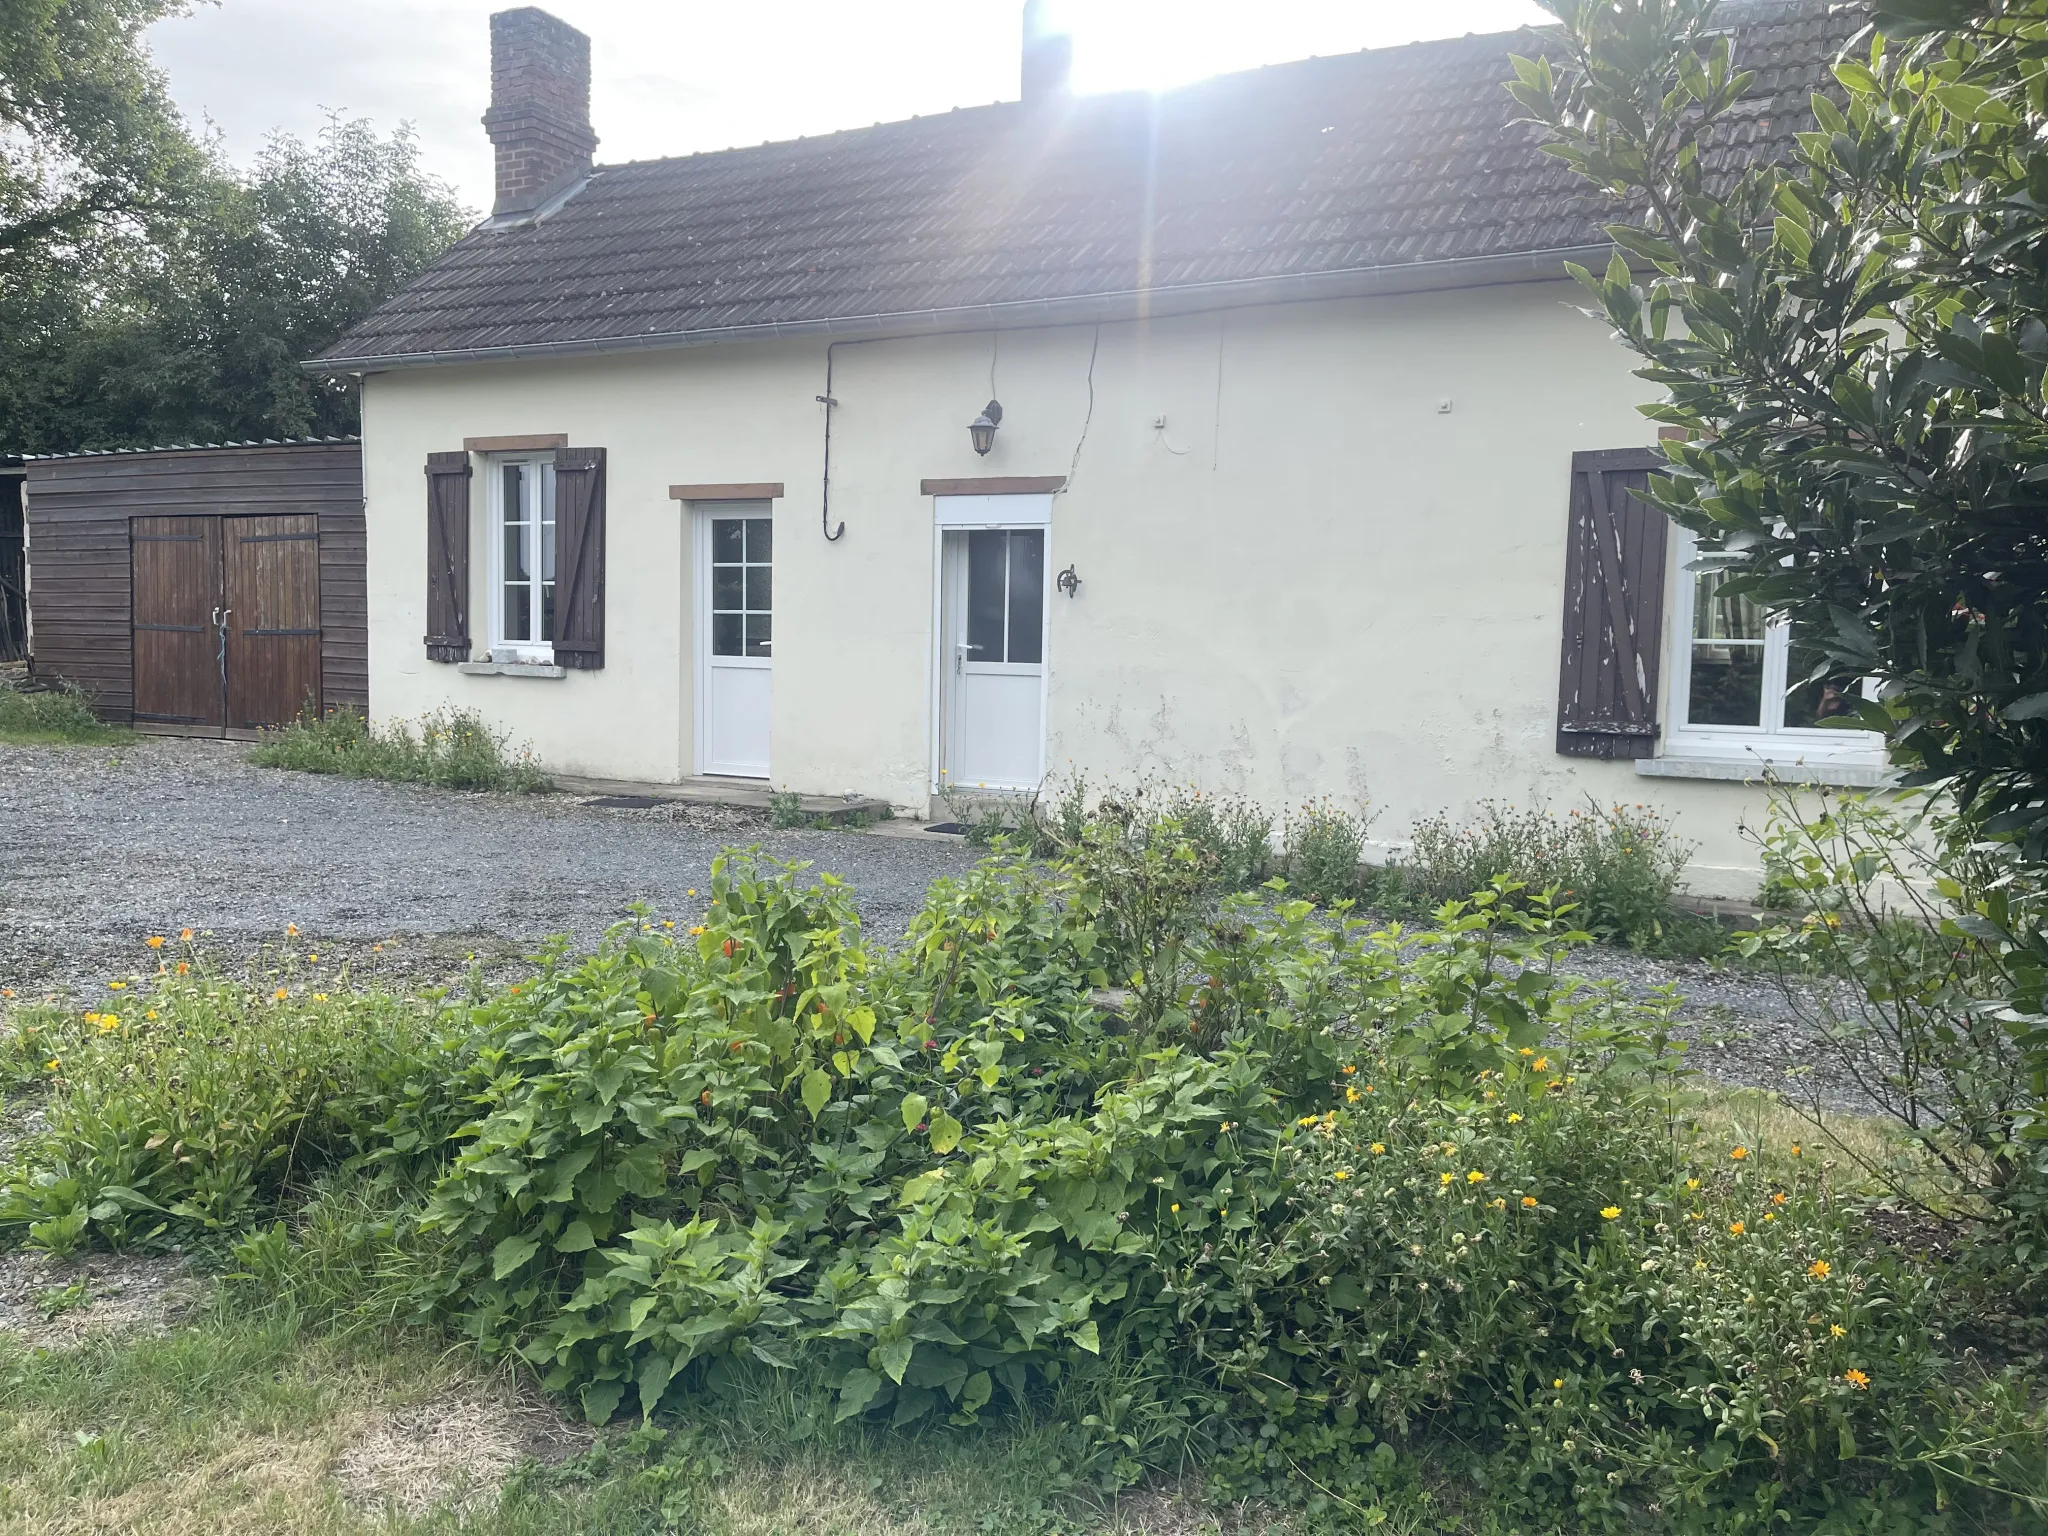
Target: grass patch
450, 749
52, 717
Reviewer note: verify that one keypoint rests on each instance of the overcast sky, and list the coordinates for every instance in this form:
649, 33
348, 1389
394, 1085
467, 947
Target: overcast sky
673, 76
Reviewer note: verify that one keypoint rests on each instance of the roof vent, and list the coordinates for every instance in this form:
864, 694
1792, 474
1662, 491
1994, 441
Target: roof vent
539, 121
1048, 54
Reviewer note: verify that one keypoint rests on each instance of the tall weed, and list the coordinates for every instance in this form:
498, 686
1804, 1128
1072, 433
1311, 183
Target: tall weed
58, 715
448, 748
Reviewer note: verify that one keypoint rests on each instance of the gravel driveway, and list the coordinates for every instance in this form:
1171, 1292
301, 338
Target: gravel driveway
100, 847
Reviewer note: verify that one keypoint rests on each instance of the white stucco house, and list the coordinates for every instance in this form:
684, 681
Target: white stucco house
1247, 435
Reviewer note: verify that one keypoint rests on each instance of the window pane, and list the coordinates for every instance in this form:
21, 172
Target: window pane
1719, 616
726, 590
515, 552
759, 634
513, 486
517, 615
728, 539
760, 540
547, 550
987, 594
725, 634
1027, 596
1727, 685
757, 588
547, 612
1812, 702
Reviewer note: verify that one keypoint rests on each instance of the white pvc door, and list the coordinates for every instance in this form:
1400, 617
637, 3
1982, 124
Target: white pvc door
736, 638
993, 609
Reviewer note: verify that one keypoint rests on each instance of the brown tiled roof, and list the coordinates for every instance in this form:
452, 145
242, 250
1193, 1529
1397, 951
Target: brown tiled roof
1386, 158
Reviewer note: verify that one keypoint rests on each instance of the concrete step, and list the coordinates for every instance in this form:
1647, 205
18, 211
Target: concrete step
744, 793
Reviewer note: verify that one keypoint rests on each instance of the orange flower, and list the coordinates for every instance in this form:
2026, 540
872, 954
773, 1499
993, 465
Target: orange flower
280, 994
155, 941
1819, 1269
1528, 1202
185, 935
184, 967
291, 930
1856, 1379
1739, 1153
1348, 1069
1737, 1228
1778, 1198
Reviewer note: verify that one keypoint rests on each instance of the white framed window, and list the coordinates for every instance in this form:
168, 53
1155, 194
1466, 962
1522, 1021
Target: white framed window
1742, 683
522, 544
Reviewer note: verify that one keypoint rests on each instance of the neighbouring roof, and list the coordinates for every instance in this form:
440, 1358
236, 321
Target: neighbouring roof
1394, 157
115, 453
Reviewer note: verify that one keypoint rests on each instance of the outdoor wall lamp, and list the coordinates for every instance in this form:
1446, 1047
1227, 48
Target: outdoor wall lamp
983, 428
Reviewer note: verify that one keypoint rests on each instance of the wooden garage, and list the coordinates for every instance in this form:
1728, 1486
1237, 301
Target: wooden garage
202, 591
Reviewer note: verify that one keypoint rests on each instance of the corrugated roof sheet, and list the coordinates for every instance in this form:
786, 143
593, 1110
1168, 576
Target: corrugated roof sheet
1376, 159
113, 453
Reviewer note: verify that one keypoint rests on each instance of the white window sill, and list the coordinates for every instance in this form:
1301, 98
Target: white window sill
511, 669
1751, 768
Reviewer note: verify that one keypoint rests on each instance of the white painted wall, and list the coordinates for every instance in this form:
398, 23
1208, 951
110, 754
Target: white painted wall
1312, 582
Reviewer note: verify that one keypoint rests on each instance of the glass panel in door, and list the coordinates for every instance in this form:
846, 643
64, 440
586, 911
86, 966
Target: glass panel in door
995, 681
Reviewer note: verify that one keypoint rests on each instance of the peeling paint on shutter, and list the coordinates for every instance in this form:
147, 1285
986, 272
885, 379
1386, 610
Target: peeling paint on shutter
1613, 609
579, 558
447, 637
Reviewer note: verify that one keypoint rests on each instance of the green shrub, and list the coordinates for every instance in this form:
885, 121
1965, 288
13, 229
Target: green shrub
450, 748
1333, 1211
1620, 865
59, 715
1232, 837
188, 1104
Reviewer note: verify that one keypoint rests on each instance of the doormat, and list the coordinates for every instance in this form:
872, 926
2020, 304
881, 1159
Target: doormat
627, 802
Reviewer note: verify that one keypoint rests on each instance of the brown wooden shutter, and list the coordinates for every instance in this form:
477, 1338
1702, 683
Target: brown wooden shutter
1613, 609
447, 637
579, 557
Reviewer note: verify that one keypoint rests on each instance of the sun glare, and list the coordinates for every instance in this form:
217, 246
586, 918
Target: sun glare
1122, 45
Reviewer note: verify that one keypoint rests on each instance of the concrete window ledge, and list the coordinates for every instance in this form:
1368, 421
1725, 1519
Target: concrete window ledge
1752, 770
509, 669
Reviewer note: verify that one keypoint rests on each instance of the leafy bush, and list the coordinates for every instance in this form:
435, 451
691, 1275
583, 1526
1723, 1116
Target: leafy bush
188, 1107
1621, 865
452, 749
1942, 932
1325, 852
1314, 1204
1231, 837
60, 714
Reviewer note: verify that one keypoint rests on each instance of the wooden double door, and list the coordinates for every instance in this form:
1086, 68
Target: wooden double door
226, 615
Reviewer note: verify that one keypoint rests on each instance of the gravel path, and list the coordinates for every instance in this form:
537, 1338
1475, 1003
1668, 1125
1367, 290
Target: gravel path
100, 847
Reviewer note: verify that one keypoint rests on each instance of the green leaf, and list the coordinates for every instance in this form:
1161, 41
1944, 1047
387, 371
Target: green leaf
895, 1358
817, 1092
1088, 1338
914, 1107
576, 1238
2033, 707
601, 1400
856, 1392
946, 1133
975, 1395
511, 1255
654, 1379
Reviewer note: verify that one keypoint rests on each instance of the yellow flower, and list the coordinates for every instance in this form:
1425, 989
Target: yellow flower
666, 923
92, 1018
1819, 1269
1541, 1063
312, 957
689, 893
1611, 1212
1770, 1215
151, 1014
1514, 1119
1475, 1177
1527, 1052
1837, 1331
319, 997
1856, 1379
1692, 1183
1558, 1383
1351, 1095
155, 941
280, 994
1175, 1207
1341, 1173
117, 985
1500, 1205
1378, 1148
1443, 1178
1348, 1069
694, 932
1737, 1228
1528, 1202
109, 1021
1739, 1153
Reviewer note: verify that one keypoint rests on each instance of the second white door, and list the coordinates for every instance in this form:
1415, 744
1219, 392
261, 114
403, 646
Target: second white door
993, 602
735, 604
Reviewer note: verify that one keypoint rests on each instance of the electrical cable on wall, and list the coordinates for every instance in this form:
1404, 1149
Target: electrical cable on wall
1093, 347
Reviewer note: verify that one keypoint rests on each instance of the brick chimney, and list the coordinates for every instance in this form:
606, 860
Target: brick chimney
1048, 54
539, 121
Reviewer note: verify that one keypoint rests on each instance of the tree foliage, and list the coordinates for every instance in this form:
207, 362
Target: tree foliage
1854, 343
149, 292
